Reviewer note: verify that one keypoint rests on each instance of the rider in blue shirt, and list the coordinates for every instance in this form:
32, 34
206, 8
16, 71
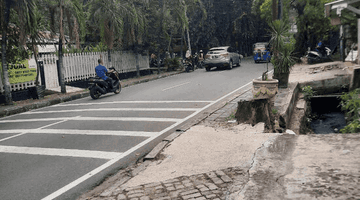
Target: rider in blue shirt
101, 72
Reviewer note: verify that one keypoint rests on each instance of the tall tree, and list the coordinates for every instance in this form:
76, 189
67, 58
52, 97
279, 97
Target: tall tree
33, 32
109, 18
25, 7
56, 10
311, 23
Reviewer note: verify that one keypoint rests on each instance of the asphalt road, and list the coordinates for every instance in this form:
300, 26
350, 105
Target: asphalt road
60, 151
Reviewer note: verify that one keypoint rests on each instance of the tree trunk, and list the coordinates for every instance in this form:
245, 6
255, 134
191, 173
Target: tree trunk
76, 33
109, 39
62, 79
6, 82
71, 26
161, 5
188, 37
274, 10
36, 60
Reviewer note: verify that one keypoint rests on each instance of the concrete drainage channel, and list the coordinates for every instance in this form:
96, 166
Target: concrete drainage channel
326, 115
320, 114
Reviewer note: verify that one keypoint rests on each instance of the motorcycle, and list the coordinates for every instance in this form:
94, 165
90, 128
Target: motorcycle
319, 56
188, 65
99, 87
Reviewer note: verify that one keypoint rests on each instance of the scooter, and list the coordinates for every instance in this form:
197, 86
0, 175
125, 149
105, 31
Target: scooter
188, 65
100, 87
318, 56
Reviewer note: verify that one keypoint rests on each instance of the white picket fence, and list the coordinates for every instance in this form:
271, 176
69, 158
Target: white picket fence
81, 66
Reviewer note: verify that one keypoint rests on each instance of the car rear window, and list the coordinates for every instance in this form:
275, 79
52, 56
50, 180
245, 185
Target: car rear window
259, 45
214, 51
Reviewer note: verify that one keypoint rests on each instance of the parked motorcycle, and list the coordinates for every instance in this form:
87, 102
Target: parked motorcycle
99, 87
319, 56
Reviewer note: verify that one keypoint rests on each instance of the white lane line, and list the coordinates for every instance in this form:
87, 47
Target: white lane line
24, 131
63, 119
114, 109
130, 102
17, 135
60, 152
133, 149
81, 132
175, 86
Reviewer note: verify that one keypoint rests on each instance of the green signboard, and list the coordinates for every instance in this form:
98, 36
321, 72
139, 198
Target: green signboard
24, 72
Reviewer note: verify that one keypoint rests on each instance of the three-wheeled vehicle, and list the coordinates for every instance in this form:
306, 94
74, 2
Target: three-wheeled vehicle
262, 52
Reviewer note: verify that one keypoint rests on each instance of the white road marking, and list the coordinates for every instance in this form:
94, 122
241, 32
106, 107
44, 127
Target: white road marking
175, 86
60, 152
113, 109
24, 131
133, 149
80, 132
94, 119
130, 102
20, 134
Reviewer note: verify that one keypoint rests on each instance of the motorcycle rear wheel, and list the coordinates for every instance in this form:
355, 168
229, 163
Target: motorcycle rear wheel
94, 93
118, 89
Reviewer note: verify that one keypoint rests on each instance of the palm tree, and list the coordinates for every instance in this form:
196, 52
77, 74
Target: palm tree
110, 17
73, 7
25, 8
33, 31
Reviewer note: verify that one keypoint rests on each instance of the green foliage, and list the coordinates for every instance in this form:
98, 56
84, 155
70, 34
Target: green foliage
311, 23
308, 92
349, 18
266, 9
282, 46
274, 111
352, 127
350, 103
172, 62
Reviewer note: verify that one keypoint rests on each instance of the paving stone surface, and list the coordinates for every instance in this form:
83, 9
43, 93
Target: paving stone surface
211, 185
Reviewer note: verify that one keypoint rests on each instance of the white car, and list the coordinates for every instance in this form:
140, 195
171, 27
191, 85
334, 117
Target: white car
222, 57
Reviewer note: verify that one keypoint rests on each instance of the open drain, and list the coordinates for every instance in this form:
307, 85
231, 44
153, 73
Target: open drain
326, 115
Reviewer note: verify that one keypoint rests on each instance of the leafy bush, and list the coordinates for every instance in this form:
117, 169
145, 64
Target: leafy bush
350, 103
308, 92
172, 63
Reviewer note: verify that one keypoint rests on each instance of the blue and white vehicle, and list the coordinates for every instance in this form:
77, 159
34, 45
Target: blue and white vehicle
261, 52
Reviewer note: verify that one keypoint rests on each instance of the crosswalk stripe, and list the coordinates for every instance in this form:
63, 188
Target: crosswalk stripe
94, 119
59, 152
131, 102
81, 132
113, 109
133, 149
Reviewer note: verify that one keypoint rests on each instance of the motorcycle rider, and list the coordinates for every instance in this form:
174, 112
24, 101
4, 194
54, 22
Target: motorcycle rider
320, 48
153, 61
201, 58
101, 72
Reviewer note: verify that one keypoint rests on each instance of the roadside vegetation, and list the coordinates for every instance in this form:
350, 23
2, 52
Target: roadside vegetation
350, 104
155, 26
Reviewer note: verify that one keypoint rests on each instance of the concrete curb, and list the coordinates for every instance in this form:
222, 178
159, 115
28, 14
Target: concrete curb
12, 110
